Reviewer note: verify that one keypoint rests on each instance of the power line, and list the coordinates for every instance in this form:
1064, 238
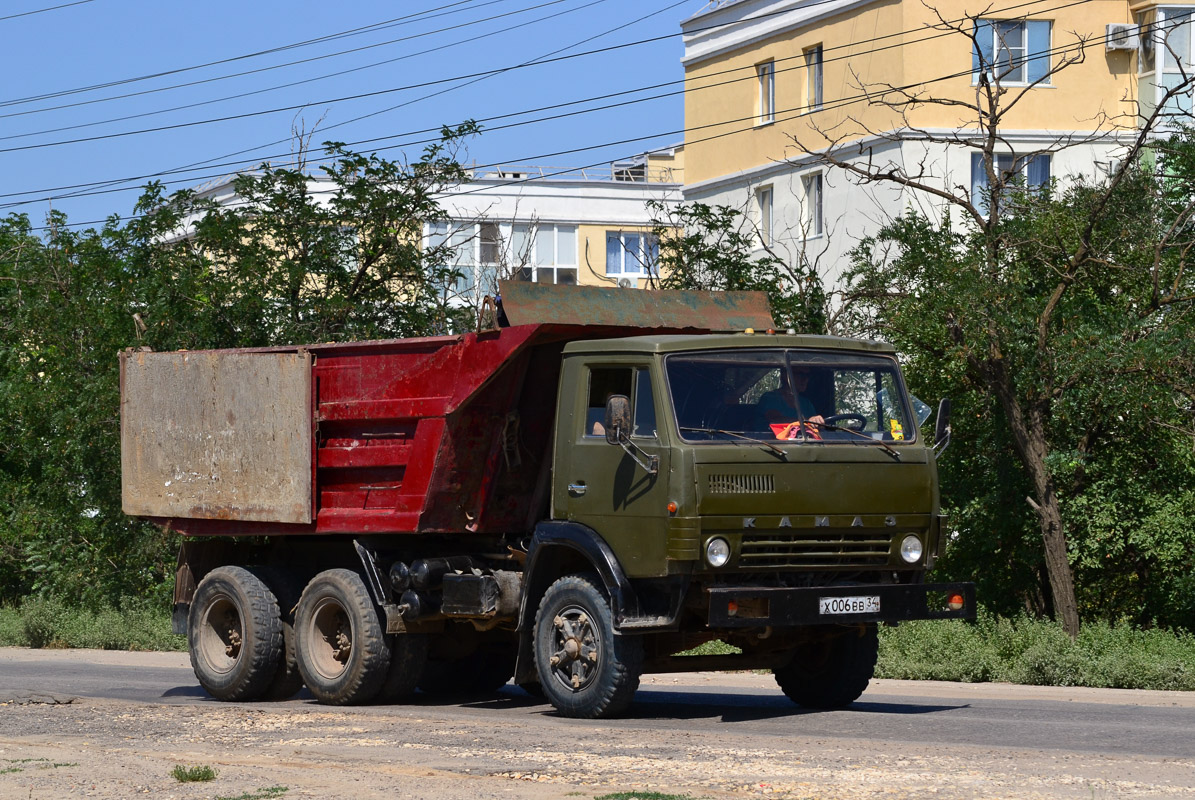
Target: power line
794, 113
44, 10
798, 58
429, 13
329, 101
280, 66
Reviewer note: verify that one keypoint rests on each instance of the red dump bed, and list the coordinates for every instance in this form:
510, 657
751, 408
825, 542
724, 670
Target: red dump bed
444, 434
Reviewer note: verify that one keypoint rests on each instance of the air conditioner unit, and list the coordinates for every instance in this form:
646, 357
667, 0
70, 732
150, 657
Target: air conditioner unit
1121, 37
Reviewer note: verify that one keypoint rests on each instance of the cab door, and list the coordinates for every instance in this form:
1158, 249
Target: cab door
605, 488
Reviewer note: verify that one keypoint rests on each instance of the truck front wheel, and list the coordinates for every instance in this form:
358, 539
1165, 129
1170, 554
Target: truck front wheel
343, 651
833, 670
585, 670
234, 634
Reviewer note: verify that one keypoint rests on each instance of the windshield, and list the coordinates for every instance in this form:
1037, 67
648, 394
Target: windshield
788, 394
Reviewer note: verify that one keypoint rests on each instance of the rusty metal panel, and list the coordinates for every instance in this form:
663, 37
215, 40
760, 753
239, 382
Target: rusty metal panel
217, 435
529, 303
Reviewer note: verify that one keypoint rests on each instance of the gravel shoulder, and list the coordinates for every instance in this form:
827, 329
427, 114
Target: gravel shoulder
55, 745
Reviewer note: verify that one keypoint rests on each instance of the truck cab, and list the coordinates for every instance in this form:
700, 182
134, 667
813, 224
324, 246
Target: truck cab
772, 491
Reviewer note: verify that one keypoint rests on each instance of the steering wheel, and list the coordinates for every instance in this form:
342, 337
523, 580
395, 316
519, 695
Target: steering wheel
859, 418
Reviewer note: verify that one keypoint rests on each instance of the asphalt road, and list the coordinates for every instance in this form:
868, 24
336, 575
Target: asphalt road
1010, 741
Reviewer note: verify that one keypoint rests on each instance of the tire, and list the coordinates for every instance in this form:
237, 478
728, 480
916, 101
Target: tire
533, 689
483, 672
343, 650
833, 671
287, 588
585, 670
408, 657
449, 678
497, 668
234, 634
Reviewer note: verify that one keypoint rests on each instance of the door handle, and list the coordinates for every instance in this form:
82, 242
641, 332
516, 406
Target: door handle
576, 489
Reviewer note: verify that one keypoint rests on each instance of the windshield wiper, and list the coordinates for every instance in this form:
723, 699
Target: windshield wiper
775, 450
894, 453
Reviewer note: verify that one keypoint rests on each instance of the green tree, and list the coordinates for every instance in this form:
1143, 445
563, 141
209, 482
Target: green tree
1072, 312
292, 260
712, 248
1064, 309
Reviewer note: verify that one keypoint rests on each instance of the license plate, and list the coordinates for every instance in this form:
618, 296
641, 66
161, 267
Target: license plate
849, 605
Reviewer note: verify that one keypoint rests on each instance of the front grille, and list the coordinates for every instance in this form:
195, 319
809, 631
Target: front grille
742, 484
847, 548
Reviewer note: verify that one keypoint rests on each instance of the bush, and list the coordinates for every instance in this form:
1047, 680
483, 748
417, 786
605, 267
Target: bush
946, 650
135, 625
1031, 651
11, 634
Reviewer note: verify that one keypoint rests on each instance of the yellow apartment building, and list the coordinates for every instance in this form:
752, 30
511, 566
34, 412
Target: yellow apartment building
770, 85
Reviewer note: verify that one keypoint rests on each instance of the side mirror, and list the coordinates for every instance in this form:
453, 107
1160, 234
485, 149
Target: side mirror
618, 418
942, 426
618, 431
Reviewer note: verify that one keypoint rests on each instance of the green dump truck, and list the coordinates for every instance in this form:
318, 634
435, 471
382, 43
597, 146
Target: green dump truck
571, 500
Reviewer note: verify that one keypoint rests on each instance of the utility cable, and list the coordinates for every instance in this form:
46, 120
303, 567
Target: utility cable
429, 14
44, 10
702, 87
288, 64
793, 113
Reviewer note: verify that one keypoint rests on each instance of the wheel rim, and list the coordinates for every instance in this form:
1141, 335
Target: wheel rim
331, 636
221, 635
576, 649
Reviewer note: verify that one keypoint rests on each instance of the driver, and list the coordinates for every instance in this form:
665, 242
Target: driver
786, 405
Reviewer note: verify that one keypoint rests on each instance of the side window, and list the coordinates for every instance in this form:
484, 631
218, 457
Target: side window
604, 382
645, 406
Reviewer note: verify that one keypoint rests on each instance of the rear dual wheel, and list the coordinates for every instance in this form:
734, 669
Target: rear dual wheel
234, 634
342, 649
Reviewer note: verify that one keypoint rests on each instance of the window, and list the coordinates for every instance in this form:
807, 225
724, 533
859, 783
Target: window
458, 242
766, 72
813, 78
521, 255
490, 238
1165, 59
461, 241
759, 393
763, 203
645, 406
544, 253
630, 253
812, 210
604, 382
1146, 37
1011, 51
1034, 169
556, 254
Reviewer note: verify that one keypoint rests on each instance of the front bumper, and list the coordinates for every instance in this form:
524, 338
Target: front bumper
755, 606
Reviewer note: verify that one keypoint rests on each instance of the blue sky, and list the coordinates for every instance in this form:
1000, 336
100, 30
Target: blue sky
94, 42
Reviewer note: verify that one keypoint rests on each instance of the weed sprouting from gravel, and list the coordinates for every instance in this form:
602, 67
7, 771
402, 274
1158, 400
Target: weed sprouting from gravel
7, 770
193, 774
643, 796
260, 794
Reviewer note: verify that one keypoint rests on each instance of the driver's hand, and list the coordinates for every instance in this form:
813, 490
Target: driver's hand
817, 419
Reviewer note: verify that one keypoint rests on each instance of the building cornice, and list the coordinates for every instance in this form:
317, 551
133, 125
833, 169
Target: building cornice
736, 25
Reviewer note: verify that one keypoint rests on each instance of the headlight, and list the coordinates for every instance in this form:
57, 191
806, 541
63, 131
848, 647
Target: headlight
910, 549
717, 552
